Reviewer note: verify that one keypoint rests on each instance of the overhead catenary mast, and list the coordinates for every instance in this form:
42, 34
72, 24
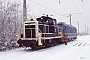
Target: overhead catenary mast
24, 17
24, 11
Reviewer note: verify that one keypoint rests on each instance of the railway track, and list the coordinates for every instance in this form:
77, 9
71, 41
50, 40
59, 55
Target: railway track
74, 50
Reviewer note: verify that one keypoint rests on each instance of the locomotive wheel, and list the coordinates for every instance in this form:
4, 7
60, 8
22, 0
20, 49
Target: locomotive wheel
20, 45
33, 48
36, 48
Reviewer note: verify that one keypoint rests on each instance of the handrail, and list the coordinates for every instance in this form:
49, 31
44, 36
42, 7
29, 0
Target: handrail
39, 30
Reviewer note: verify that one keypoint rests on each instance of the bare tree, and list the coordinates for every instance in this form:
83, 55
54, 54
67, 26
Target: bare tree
10, 24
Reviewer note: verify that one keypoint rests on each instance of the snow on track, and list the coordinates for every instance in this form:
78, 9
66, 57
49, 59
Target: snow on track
14, 53
75, 50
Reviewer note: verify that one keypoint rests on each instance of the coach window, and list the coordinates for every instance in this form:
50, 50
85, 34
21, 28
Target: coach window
65, 27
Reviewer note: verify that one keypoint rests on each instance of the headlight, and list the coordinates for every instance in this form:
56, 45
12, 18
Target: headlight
17, 35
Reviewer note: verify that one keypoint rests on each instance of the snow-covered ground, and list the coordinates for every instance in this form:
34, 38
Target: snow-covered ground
75, 50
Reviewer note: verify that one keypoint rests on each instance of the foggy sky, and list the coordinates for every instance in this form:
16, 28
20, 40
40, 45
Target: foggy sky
58, 8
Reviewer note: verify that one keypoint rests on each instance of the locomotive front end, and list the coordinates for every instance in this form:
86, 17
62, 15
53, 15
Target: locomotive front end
31, 36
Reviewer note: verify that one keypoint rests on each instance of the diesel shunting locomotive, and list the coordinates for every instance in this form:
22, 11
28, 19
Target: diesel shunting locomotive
45, 31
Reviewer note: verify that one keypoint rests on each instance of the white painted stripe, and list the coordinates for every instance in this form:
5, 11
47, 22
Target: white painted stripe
51, 37
70, 33
41, 38
47, 33
28, 38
